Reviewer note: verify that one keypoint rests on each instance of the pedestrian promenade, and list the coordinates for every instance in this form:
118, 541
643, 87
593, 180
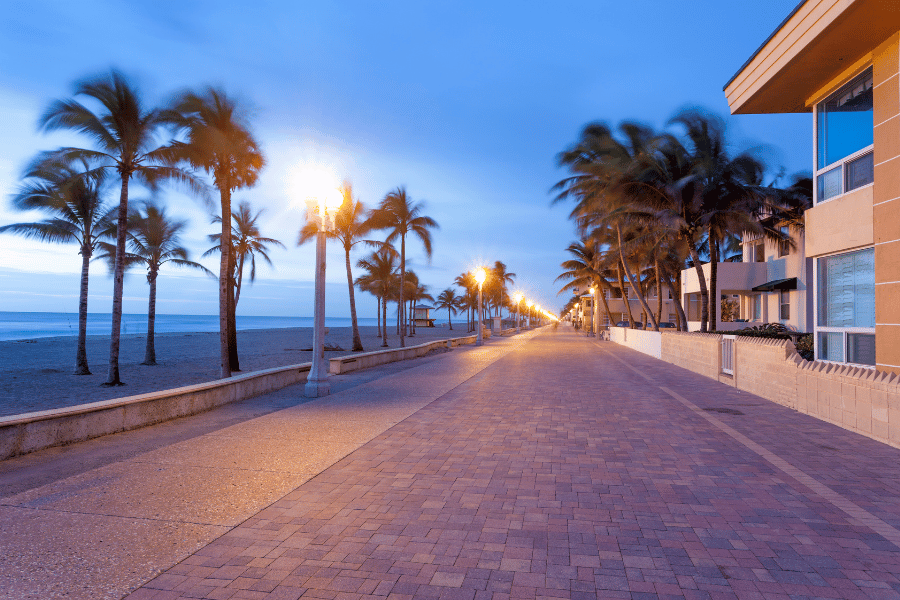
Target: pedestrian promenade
546, 465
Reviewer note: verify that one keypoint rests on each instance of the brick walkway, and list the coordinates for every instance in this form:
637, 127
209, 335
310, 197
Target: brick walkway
576, 469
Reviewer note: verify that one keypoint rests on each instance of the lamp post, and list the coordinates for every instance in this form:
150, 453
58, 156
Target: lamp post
321, 210
480, 275
518, 298
596, 313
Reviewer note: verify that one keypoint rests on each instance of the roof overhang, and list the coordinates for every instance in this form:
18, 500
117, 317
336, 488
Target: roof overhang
778, 284
820, 40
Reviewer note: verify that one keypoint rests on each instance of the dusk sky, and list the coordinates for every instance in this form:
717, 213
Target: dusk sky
465, 103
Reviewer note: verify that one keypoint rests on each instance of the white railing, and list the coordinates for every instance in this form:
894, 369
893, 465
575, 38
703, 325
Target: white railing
728, 354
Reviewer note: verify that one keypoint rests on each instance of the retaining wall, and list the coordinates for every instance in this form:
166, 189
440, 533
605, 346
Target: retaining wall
647, 342
858, 399
21, 434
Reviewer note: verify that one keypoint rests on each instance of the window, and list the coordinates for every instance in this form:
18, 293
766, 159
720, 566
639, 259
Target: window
759, 252
845, 322
784, 246
785, 298
693, 307
757, 307
844, 136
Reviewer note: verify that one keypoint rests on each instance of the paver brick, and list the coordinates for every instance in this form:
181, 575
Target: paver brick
560, 472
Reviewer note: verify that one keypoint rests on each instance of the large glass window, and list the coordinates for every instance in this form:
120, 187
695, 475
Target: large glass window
844, 129
845, 121
847, 289
845, 321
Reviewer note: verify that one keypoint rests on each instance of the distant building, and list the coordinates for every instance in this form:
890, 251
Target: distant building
422, 315
839, 61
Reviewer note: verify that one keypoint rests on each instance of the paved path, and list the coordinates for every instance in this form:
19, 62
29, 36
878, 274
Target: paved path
574, 469
96, 519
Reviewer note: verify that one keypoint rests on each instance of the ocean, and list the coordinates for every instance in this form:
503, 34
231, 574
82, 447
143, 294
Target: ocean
30, 325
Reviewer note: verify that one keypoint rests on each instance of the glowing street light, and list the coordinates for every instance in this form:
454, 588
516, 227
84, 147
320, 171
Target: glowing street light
480, 275
322, 206
518, 298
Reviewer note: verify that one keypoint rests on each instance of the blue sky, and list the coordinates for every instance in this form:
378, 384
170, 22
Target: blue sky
464, 103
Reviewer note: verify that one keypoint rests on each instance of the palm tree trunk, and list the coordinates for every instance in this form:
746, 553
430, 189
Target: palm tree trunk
704, 294
634, 285
659, 298
605, 306
237, 290
400, 305
378, 314
714, 301
412, 319
81, 363
679, 308
150, 351
624, 293
233, 361
115, 334
357, 342
224, 281
384, 343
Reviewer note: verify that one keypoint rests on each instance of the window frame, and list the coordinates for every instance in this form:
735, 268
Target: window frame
784, 305
843, 163
846, 331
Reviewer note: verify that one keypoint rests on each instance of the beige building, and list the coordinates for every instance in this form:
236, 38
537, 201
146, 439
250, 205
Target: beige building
618, 310
770, 285
838, 59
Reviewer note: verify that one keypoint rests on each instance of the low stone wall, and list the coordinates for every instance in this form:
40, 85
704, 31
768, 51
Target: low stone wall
21, 434
365, 360
648, 342
858, 399
697, 352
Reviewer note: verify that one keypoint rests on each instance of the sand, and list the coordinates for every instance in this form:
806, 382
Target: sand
37, 374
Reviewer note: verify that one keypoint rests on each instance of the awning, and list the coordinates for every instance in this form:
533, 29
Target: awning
779, 284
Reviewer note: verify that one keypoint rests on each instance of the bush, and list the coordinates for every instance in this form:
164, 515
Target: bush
777, 331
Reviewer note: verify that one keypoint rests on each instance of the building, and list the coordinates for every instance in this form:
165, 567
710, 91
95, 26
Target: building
838, 59
769, 285
616, 300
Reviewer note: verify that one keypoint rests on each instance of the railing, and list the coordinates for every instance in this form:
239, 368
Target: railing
728, 354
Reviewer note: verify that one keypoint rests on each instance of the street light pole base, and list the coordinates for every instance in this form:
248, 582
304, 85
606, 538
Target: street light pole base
479, 343
316, 389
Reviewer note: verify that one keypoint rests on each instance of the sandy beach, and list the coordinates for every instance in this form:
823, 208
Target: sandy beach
37, 374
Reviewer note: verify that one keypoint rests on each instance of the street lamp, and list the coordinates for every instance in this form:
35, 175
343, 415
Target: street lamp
518, 298
480, 275
321, 210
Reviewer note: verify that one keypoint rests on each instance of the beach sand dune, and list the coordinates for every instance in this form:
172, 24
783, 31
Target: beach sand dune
37, 374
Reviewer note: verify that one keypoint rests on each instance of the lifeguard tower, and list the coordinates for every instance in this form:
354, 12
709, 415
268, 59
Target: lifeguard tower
422, 316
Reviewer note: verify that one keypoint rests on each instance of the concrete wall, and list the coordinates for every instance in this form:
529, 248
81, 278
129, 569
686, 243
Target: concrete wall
21, 434
647, 342
862, 400
697, 352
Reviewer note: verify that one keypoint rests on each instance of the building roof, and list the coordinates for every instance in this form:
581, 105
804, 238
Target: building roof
817, 43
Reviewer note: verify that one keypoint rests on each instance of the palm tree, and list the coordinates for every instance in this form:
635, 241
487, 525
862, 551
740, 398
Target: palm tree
380, 267
401, 216
124, 133
730, 202
154, 240
500, 277
583, 270
246, 243
607, 188
219, 141
451, 302
350, 225
469, 299
76, 214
